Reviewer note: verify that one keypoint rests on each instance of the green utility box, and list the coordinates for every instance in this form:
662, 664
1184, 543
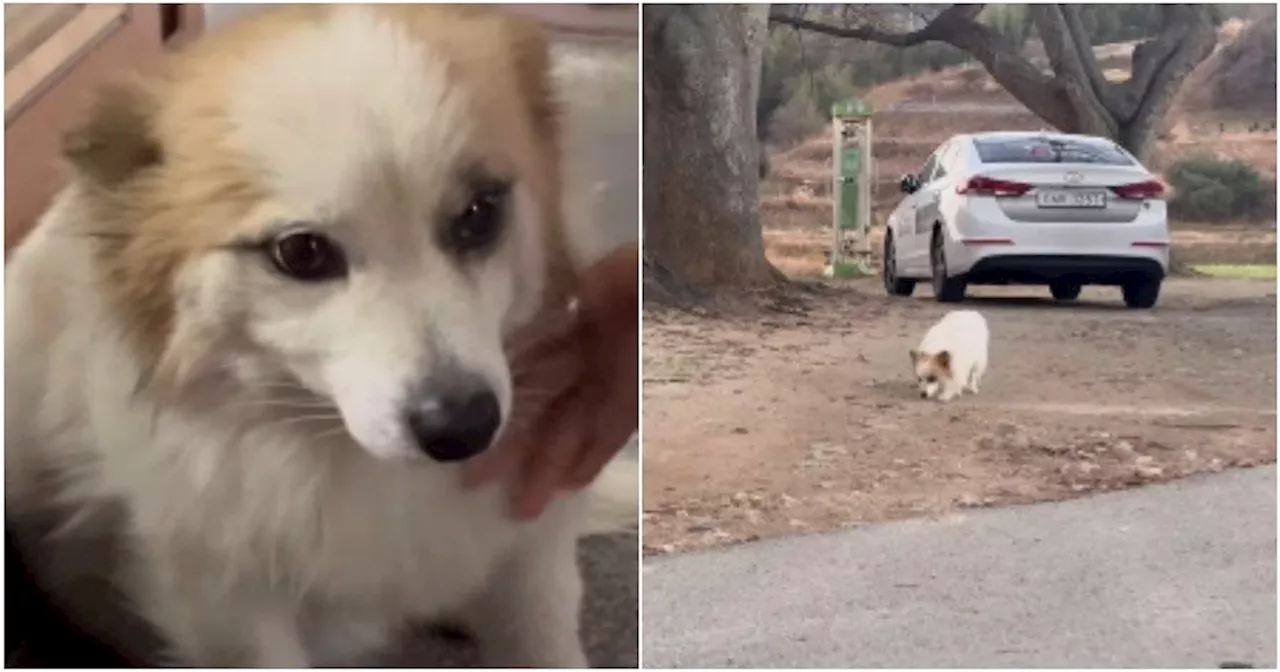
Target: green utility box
851, 189
850, 183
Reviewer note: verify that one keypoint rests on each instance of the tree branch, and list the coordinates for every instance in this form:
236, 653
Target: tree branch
931, 31
1198, 37
1149, 58
956, 26
1088, 61
1071, 74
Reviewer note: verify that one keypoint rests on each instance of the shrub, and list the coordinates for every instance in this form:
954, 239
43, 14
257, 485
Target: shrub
796, 119
1207, 188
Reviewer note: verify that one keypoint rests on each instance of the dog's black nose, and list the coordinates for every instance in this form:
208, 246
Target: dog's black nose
452, 428
924, 395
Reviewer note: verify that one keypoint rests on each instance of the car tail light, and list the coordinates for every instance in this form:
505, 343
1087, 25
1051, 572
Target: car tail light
1140, 190
988, 186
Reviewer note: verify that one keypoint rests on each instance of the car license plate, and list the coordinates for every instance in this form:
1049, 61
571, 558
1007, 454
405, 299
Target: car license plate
1071, 199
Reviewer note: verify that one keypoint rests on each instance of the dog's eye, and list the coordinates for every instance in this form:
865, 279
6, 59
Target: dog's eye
309, 257
930, 379
477, 227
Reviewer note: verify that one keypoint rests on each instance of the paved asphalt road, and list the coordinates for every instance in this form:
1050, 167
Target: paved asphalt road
1178, 575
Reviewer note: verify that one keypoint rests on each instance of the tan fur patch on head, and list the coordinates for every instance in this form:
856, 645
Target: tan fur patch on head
512, 57
152, 207
163, 185
532, 56
942, 361
118, 139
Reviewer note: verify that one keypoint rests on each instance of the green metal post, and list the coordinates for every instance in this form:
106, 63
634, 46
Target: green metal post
851, 192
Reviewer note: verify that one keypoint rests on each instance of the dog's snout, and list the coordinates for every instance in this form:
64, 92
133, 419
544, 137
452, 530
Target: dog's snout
455, 427
924, 394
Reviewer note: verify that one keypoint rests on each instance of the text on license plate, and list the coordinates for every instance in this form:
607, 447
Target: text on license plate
1071, 199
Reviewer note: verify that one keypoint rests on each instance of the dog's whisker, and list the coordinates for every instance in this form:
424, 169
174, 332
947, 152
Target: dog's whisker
282, 403
101, 235
284, 387
299, 419
330, 432
538, 396
555, 325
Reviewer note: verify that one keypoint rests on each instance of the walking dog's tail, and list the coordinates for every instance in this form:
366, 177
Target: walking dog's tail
614, 497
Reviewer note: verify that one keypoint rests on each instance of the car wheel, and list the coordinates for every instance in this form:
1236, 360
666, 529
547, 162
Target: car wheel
894, 285
945, 290
1141, 293
1063, 290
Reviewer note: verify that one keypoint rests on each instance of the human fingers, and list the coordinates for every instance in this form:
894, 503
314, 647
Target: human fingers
558, 448
614, 419
536, 390
491, 464
612, 285
610, 296
545, 363
547, 330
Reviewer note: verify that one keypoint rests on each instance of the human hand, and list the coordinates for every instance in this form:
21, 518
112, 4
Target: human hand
576, 380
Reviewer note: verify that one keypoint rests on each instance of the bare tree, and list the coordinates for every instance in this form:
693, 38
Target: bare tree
701, 159
1075, 96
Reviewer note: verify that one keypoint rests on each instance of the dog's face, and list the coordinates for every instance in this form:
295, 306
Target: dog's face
366, 215
932, 371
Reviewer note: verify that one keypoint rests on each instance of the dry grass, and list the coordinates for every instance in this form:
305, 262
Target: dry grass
1240, 271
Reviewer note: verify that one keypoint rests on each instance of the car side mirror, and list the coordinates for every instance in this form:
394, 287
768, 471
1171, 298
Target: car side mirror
909, 184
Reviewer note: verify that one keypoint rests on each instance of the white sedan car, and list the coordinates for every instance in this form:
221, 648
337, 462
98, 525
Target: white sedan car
1029, 208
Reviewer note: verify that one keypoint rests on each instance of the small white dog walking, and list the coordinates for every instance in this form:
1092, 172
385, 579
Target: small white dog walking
952, 356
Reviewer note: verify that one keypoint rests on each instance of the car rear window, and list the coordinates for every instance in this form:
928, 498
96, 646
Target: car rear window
1051, 150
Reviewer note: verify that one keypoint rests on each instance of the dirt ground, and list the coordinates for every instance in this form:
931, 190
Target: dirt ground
803, 417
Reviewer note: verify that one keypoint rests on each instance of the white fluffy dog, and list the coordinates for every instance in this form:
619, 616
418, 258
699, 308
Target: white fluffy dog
264, 324
952, 357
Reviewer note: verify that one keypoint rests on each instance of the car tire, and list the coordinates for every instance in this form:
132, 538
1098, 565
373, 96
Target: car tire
1141, 293
945, 289
1065, 291
894, 285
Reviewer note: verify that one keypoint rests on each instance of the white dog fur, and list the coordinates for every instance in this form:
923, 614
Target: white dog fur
276, 513
952, 356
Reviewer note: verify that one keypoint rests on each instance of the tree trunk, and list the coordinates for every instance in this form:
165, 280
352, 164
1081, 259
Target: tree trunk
701, 156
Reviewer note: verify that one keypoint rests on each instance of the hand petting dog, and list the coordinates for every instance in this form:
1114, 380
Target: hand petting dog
575, 374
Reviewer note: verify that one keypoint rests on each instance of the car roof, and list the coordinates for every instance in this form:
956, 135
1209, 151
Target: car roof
1021, 135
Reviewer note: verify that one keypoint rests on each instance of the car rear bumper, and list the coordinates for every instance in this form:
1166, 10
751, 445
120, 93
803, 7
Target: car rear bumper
981, 238
1039, 269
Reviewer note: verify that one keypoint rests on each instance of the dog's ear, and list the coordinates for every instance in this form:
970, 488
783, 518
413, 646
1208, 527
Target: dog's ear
532, 52
530, 47
915, 355
943, 359
117, 140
